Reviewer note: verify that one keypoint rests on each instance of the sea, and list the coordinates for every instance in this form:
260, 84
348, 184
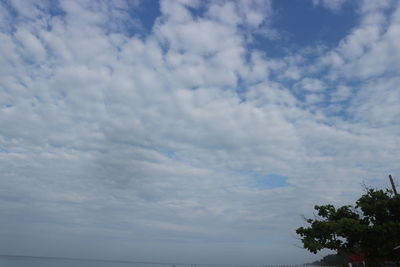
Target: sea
27, 261
31, 261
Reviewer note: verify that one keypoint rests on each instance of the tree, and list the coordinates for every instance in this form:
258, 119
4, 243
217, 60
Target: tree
371, 228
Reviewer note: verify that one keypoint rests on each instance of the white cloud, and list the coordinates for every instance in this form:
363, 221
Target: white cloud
341, 93
334, 5
150, 141
32, 47
29, 10
372, 6
311, 84
378, 103
369, 50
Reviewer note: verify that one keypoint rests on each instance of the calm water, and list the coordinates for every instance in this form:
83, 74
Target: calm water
26, 261
14, 261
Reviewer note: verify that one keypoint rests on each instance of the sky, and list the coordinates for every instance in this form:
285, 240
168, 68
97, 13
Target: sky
191, 131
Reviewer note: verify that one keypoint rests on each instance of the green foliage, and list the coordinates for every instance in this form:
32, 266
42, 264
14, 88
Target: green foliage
370, 228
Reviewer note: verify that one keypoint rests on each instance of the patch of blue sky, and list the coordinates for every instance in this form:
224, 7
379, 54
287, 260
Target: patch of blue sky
3, 150
300, 24
264, 181
308, 24
148, 12
270, 181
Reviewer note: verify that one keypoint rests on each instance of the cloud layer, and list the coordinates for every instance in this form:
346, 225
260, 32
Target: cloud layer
119, 142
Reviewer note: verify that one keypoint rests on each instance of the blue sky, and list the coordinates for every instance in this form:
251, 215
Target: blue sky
270, 181
190, 131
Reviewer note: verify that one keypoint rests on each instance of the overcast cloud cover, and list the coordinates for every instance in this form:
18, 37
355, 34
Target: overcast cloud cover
190, 131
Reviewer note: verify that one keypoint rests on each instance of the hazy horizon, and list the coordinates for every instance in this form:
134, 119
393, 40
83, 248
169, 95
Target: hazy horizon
17, 259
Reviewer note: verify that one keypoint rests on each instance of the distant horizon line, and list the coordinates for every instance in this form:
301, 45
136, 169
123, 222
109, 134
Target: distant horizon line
141, 262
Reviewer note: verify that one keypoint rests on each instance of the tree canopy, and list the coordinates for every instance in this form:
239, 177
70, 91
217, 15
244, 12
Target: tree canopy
370, 228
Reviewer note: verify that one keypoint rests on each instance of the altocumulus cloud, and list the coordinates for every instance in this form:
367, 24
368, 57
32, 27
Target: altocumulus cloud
187, 140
